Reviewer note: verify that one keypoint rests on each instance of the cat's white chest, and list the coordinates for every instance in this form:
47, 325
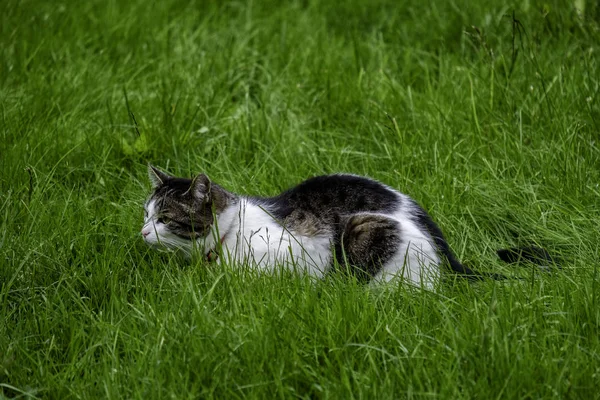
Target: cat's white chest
253, 237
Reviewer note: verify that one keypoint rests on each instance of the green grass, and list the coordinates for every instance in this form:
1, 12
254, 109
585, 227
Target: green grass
491, 123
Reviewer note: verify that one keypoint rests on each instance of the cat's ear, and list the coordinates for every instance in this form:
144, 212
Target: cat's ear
157, 177
201, 187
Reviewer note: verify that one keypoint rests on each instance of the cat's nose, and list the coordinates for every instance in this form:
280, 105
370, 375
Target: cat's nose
145, 233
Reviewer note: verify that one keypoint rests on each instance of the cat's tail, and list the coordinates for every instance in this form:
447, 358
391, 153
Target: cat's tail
515, 255
528, 254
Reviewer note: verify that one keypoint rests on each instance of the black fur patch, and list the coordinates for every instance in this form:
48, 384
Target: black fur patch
532, 254
327, 197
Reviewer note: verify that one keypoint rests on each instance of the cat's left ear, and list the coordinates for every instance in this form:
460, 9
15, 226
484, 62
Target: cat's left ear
156, 176
201, 187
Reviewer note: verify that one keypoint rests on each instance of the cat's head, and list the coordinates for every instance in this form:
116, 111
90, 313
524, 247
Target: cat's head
180, 211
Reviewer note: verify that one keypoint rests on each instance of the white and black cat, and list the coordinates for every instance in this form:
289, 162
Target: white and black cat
325, 224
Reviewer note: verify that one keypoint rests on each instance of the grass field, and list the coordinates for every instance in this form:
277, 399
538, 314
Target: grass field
487, 113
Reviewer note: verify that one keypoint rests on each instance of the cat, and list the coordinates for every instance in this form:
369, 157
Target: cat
326, 224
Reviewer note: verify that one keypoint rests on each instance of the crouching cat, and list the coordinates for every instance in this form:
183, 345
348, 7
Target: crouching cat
333, 223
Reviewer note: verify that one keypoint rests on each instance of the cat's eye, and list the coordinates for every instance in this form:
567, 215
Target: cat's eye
164, 220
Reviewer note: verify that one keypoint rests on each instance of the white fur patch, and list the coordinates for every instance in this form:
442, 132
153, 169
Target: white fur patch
251, 235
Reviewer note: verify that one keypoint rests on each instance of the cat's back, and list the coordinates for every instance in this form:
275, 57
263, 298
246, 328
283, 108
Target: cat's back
328, 195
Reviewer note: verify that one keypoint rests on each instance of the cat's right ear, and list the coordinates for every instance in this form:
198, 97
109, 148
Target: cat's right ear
156, 176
